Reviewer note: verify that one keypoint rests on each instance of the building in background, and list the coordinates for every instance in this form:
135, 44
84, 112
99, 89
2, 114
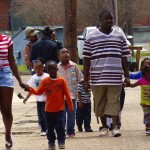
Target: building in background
5, 17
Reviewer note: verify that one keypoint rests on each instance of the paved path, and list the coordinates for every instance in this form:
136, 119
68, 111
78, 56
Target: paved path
26, 132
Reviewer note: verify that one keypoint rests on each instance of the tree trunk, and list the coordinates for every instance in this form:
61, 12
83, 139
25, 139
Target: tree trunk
70, 30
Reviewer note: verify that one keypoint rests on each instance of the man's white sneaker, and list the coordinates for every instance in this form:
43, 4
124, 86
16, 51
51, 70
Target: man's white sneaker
148, 132
103, 131
116, 132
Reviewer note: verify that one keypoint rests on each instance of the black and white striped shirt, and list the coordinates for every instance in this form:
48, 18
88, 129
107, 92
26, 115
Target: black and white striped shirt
85, 96
105, 53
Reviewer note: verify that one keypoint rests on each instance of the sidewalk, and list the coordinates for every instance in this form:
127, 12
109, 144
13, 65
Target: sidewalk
26, 132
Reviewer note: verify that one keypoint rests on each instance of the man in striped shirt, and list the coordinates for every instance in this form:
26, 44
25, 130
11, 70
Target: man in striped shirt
105, 56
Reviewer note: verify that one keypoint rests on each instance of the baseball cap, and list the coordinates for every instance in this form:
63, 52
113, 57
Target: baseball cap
30, 31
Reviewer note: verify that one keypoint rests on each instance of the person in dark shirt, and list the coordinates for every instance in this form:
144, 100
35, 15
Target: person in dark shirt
44, 48
53, 38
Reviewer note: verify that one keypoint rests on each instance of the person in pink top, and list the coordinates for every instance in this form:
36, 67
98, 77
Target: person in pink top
145, 95
7, 66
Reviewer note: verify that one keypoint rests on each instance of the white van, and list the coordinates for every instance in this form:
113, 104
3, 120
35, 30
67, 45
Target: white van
87, 30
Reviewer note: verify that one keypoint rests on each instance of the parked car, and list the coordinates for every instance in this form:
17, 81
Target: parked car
86, 32
81, 39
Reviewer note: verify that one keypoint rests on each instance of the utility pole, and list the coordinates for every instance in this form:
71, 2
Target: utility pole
10, 17
114, 9
116, 12
129, 19
70, 30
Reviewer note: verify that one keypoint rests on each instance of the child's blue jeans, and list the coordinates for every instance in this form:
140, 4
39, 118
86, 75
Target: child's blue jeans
55, 121
41, 115
70, 121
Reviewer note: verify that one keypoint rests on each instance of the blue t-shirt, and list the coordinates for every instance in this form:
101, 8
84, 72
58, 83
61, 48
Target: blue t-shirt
136, 76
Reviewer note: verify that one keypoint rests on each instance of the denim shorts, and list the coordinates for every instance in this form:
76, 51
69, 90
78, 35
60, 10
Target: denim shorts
6, 77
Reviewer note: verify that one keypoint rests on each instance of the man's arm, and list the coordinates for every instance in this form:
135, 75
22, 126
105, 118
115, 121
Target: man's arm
125, 67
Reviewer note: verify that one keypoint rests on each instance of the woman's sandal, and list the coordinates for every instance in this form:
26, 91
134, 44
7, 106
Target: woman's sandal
9, 142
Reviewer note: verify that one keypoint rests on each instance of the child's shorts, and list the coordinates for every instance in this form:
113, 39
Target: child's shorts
6, 77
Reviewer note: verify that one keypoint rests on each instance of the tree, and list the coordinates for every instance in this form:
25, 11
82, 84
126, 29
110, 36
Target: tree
50, 12
134, 9
88, 12
40, 12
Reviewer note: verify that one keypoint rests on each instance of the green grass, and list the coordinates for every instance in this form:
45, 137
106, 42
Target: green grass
81, 67
22, 68
143, 54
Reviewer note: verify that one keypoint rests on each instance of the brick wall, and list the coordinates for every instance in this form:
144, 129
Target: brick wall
144, 21
4, 14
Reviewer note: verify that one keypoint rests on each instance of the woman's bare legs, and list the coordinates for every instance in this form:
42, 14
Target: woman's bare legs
6, 95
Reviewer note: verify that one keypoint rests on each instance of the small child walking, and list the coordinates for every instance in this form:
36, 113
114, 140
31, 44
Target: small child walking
138, 75
83, 113
145, 95
34, 82
55, 89
72, 74
134, 76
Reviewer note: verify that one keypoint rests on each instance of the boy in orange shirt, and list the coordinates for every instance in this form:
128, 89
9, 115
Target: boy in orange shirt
55, 89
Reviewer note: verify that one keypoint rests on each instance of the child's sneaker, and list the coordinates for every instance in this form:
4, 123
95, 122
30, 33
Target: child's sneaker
80, 129
88, 130
103, 131
116, 132
43, 133
148, 132
61, 146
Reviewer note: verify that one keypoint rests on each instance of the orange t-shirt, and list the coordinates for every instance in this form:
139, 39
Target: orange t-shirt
55, 90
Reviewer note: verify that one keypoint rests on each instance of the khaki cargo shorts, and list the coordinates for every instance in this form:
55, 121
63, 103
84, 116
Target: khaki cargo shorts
106, 99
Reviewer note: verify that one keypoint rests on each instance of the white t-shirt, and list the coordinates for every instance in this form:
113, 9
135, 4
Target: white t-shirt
34, 82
